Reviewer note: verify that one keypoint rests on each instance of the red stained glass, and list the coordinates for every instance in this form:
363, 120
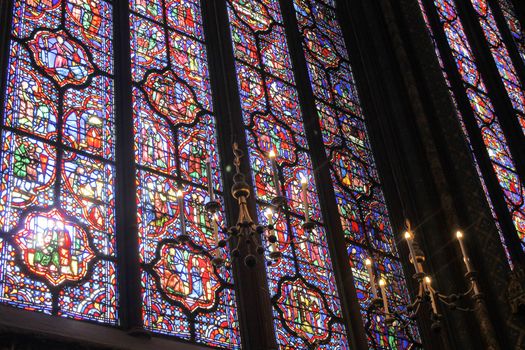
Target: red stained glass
57, 177
359, 197
303, 279
184, 295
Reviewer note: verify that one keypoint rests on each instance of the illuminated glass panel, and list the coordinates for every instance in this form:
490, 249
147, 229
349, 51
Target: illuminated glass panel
57, 175
183, 294
509, 12
360, 200
500, 54
306, 305
487, 121
463, 127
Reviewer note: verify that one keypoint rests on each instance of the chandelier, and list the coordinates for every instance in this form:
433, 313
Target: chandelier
400, 315
245, 230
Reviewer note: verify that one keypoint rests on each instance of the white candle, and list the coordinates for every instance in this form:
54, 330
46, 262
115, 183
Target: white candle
382, 285
409, 238
210, 179
368, 264
275, 173
306, 205
216, 238
428, 282
466, 259
180, 197
215, 227
269, 215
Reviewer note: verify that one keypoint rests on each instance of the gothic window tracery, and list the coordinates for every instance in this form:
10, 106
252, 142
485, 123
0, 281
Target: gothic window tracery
58, 163
183, 293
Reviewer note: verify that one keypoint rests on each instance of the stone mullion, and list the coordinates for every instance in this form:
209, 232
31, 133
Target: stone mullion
129, 275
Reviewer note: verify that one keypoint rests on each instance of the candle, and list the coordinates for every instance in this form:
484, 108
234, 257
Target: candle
409, 238
180, 197
215, 227
269, 215
306, 205
466, 259
428, 282
216, 238
275, 173
210, 180
382, 285
368, 264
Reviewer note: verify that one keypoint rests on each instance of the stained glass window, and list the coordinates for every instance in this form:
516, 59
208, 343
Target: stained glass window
57, 175
360, 200
509, 12
183, 293
306, 304
500, 54
464, 129
483, 110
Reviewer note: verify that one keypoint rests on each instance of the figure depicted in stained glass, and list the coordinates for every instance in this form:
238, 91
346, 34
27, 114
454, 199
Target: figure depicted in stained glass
62, 58
307, 314
171, 98
90, 119
86, 14
54, 247
32, 170
187, 277
321, 47
162, 196
253, 13
34, 107
25, 165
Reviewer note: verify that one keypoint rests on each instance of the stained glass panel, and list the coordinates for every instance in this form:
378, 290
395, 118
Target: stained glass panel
500, 54
306, 304
57, 174
514, 25
183, 293
463, 127
360, 201
485, 117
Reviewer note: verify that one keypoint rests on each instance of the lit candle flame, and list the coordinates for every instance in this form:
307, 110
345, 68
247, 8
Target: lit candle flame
382, 282
272, 154
408, 235
368, 262
304, 180
179, 193
459, 235
428, 280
